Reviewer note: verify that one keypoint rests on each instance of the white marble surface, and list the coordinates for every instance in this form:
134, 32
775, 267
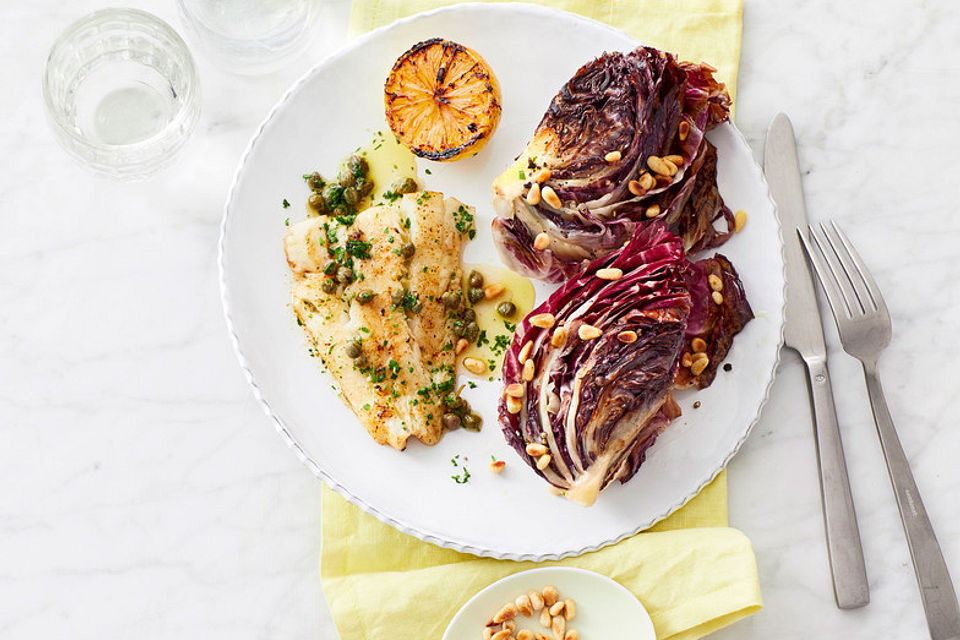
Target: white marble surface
145, 494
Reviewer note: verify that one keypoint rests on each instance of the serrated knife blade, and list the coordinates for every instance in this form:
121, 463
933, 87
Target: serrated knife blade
804, 333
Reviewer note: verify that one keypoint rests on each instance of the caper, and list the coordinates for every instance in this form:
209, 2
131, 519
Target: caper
397, 297
451, 299
475, 295
331, 195
475, 279
331, 268
317, 203
353, 349
417, 307
358, 165
365, 296
315, 181
360, 361
364, 187
506, 309
351, 196
347, 179
472, 331
328, 286
472, 422
468, 315
459, 329
404, 185
345, 275
451, 421
408, 249
454, 403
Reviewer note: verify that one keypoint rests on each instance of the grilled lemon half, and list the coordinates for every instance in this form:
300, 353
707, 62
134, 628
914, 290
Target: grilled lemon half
442, 100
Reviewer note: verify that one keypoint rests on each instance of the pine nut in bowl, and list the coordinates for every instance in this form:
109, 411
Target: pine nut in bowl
584, 604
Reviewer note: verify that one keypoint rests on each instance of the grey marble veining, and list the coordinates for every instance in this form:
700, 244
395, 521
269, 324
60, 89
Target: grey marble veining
144, 492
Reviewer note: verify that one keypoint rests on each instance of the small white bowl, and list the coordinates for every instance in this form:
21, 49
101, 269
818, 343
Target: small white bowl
605, 609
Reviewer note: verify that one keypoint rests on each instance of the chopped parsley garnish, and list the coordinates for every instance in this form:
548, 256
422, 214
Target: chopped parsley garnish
428, 172
358, 248
500, 344
463, 474
286, 205
391, 196
286, 222
521, 175
464, 222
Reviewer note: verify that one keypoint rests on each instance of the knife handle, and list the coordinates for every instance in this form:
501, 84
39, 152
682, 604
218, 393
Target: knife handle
840, 518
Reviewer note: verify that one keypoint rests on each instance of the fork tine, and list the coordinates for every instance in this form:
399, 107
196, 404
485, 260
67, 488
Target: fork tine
854, 274
850, 300
872, 289
837, 305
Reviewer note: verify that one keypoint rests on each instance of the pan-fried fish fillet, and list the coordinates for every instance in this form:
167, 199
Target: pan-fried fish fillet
409, 348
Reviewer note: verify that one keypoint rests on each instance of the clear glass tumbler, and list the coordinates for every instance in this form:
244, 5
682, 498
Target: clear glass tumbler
121, 92
249, 36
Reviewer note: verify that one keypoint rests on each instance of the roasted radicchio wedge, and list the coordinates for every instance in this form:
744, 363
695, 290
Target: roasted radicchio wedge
621, 145
590, 373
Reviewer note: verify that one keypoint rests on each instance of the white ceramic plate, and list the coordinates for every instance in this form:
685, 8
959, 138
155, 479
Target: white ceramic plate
334, 109
605, 609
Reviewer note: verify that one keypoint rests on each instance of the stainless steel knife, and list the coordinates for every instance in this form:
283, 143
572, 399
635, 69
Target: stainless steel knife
804, 333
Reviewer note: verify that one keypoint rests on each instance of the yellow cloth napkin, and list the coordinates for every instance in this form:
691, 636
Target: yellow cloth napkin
692, 572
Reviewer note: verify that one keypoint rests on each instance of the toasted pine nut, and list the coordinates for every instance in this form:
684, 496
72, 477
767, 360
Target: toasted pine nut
708, 67
627, 337
507, 612
550, 197
646, 181
635, 188
698, 366
588, 332
544, 461
533, 195
671, 168
697, 357
572, 634
659, 166
462, 344
699, 345
674, 159
613, 156
559, 337
545, 619
474, 366
535, 449
492, 291
503, 634
683, 130
550, 595
509, 625
525, 634
524, 605
558, 626
739, 219
686, 360
569, 609
540, 636
542, 241
543, 320
516, 390
653, 211
610, 273
717, 297
487, 633
536, 600
525, 351
542, 176
514, 405
557, 608
715, 282
529, 369
496, 467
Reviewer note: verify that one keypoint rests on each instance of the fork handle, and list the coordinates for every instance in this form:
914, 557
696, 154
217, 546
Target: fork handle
850, 587
936, 589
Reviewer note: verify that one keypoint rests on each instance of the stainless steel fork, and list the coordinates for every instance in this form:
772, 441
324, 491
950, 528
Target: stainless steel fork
864, 325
